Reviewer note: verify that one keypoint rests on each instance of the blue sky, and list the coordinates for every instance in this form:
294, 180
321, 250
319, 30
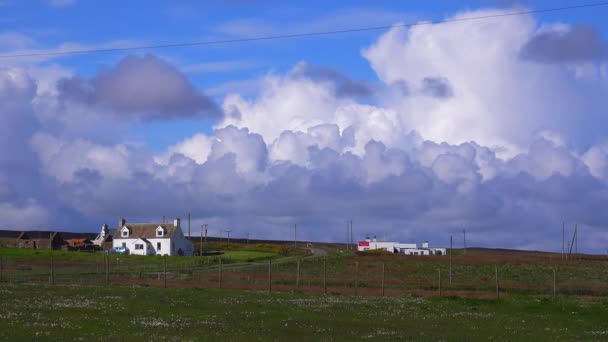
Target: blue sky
88, 24
489, 124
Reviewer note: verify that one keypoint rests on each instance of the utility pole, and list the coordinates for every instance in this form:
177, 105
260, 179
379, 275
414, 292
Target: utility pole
228, 233
450, 259
295, 237
351, 235
247, 237
464, 239
189, 226
203, 229
563, 238
576, 240
201, 246
347, 235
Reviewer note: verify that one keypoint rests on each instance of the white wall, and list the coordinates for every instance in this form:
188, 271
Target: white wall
168, 246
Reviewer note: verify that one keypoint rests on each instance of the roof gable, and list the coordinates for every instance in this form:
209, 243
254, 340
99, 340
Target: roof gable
148, 230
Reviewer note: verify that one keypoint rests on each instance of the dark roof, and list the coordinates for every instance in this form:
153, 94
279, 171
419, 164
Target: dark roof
44, 234
71, 235
40, 234
9, 234
145, 230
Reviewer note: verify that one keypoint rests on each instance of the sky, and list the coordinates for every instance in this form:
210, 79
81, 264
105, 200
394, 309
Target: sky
414, 132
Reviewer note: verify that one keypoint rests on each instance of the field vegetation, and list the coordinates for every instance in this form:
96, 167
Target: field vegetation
42, 312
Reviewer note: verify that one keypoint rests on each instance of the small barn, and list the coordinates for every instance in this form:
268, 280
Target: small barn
37, 239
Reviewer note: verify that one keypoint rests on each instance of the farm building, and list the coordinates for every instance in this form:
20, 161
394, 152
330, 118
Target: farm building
401, 248
36, 239
79, 242
152, 238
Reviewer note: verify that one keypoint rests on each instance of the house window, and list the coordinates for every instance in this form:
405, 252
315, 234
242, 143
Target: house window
158, 244
124, 245
139, 246
125, 233
159, 232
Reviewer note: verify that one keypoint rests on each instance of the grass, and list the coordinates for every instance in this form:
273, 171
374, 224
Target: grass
473, 273
236, 256
137, 313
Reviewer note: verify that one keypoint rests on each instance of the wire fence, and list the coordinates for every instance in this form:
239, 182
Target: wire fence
345, 276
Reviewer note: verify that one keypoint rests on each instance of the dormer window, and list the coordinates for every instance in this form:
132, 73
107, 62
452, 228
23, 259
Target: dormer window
160, 232
124, 232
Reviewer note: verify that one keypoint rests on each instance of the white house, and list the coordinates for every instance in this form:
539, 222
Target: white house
104, 238
152, 238
401, 248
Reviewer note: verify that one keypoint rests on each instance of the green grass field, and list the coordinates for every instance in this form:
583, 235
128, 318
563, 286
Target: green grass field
473, 274
29, 312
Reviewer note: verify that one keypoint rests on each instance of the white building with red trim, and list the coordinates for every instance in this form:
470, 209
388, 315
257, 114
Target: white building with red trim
401, 248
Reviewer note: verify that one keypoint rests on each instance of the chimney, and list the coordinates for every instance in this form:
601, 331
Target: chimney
104, 230
176, 222
122, 222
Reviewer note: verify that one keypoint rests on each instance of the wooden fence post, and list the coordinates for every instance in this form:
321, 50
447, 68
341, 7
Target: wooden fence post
52, 271
554, 284
106, 262
269, 275
496, 274
324, 277
165, 271
356, 278
1, 270
298, 275
439, 271
383, 277
220, 273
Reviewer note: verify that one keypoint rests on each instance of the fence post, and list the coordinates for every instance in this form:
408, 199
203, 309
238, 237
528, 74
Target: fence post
496, 274
165, 271
1, 270
298, 275
356, 278
269, 275
383, 277
324, 277
52, 271
439, 271
220, 273
554, 285
106, 264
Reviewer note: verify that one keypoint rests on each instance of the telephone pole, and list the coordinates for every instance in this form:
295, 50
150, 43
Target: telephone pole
228, 232
295, 237
203, 229
347, 235
352, 240
450, 259
464, 239
563, 238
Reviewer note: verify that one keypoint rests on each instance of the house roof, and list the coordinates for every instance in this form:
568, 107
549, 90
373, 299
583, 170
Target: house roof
146, 230
40, 234
9, 234
43, 234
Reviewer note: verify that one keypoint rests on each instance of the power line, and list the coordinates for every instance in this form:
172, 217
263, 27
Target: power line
298, 35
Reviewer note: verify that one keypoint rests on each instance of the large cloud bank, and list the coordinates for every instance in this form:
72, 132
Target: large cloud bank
466, 127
